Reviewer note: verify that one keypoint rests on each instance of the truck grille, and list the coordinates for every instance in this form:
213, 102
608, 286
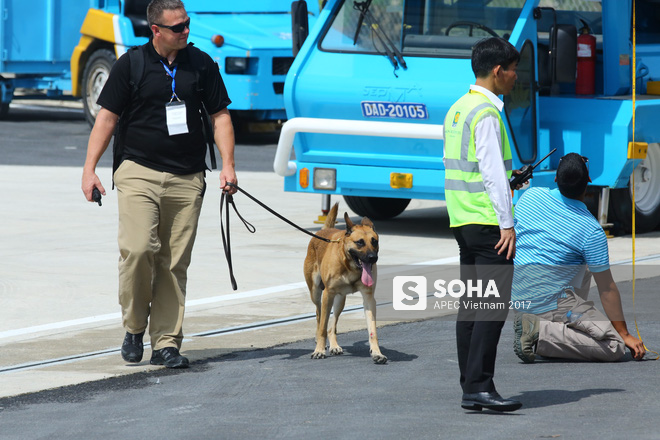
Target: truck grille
281, 65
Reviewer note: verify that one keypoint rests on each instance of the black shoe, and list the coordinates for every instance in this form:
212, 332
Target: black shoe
132, 348
492, 400
170, 357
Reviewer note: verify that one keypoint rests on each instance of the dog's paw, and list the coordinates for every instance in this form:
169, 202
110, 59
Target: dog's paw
318, 355
379, 358
336, 350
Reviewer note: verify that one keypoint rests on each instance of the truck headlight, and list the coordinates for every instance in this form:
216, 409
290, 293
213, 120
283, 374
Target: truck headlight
236, 65
325, 178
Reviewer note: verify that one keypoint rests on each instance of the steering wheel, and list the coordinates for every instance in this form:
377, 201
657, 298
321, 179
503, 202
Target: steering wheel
472, 25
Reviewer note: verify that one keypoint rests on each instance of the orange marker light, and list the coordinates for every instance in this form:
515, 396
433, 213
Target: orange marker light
218, 40
401, 180
304, 178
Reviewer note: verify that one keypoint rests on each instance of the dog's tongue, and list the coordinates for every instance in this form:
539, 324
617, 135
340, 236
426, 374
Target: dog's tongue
367, 279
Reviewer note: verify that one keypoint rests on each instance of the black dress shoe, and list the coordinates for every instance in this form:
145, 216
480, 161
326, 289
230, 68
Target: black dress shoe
170, 357
132, 347
489, 400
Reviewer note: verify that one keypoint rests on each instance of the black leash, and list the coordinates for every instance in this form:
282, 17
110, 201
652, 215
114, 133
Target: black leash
228, 199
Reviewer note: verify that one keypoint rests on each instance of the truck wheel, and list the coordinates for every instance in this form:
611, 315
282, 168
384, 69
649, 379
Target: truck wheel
94, 78
4, 109
376, 207
647, 195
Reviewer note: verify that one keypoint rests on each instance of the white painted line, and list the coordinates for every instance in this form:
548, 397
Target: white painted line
637, 260
248, 294
198, 302
222, 331
218, 332
448, 260
46, 107
117, 316
58, 325
224, 298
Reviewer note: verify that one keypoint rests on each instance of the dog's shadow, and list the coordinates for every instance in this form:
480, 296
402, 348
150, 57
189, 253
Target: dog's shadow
361, 349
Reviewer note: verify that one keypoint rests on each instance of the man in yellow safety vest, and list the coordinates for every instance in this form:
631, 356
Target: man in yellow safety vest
477, 161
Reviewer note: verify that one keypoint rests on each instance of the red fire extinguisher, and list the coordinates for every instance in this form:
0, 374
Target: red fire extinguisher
586, 62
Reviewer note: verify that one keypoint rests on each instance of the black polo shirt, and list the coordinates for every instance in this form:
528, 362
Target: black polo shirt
147, 140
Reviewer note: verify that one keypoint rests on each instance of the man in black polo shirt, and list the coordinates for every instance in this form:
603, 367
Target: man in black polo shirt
160, 180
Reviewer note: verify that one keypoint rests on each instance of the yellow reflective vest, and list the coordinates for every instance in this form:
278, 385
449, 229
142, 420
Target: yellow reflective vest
465, 193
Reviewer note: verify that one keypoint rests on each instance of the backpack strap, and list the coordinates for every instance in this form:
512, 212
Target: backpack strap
136, 57
198, 64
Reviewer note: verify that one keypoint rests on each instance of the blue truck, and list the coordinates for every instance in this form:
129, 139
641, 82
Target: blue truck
368, 92
58, 46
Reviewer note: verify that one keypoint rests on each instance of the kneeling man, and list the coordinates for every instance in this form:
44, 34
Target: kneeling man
557, 240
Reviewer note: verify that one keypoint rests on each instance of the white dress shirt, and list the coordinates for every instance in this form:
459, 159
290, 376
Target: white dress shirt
488, 144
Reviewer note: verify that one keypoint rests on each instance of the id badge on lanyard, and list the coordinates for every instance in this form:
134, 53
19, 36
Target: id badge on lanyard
176, 117
175, 111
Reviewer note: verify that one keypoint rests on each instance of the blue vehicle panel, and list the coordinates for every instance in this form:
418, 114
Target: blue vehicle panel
358, 66
40, 44
253, 50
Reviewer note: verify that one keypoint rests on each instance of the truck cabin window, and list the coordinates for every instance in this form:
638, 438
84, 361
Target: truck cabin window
443, 28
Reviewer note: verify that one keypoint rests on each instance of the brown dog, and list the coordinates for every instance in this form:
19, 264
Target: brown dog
333, 270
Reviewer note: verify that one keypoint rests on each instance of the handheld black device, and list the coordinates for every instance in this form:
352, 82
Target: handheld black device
96, 196
526, 172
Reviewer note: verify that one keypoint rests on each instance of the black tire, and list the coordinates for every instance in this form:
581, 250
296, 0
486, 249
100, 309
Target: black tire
647, 195
376, 208
96, 74
4, 110
621, 204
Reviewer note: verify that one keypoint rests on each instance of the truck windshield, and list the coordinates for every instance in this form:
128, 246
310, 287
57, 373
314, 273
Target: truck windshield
447, 28
245, 7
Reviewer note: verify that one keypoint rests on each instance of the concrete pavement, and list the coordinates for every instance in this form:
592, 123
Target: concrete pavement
58, 278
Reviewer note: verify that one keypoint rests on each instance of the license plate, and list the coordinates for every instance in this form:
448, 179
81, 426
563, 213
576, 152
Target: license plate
394, 110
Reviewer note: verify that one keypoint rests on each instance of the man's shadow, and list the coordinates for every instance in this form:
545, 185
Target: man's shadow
543, 398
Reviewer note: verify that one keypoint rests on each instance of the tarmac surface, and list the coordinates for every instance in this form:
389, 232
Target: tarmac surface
280, 393
251, 376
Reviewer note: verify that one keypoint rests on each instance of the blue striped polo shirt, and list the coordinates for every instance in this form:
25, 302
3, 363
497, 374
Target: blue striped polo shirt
555, 238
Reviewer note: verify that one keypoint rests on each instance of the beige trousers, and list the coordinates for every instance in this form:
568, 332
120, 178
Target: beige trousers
591, 338
158, 216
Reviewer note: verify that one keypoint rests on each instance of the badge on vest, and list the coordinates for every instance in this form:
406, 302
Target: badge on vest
456, 118
176, 118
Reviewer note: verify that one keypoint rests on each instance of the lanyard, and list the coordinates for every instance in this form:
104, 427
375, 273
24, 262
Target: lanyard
172, 74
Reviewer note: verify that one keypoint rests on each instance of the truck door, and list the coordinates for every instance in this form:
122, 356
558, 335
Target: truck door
521, 105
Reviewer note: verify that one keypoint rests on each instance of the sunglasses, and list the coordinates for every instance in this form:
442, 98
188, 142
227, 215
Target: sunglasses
177, 28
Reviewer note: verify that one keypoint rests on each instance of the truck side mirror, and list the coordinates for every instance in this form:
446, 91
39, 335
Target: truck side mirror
566, 63
557, 60
299, 25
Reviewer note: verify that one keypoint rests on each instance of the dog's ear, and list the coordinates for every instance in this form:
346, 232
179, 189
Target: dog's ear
349, 223
367, 222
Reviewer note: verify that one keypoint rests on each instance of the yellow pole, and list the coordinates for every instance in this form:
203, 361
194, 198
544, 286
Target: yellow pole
632, 178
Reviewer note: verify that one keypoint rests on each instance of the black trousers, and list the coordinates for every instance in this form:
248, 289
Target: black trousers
480, 320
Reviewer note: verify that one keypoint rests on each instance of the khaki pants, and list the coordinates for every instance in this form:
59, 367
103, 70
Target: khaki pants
590, 338
158, 216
